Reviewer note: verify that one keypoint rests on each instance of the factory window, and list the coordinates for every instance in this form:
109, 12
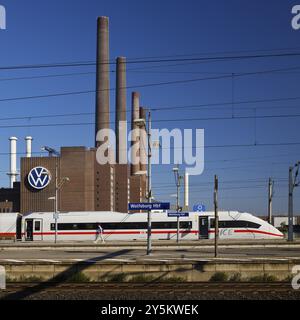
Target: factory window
235, 224
122, 225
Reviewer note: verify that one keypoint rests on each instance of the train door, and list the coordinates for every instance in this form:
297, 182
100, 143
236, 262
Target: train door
37, 230
33, 229
203, 227
29, 229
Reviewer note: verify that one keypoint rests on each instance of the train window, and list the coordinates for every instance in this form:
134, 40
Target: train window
185, 225
235, 224
122, 225
37, 226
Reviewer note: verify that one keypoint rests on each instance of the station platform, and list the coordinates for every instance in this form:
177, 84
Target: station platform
156, 243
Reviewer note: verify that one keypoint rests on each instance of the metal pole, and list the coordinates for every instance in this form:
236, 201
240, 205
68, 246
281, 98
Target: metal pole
270, 198
177, 205
56, 201
149, 247
290, 214
216, 216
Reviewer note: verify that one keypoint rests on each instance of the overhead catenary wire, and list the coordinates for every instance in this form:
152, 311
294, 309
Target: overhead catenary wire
162, 108
157, 120
62, 94
141, 61
48, 76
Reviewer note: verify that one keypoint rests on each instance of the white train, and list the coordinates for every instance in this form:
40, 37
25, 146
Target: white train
81, 226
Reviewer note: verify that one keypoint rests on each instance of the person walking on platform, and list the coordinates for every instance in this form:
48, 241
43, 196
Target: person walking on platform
99, 234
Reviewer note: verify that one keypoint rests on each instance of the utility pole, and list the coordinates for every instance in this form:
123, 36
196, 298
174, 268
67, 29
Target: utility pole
149, 247
58, 186
177, 205
216, 216
270, 198
292, 184
178, 178
56, 198
290, 213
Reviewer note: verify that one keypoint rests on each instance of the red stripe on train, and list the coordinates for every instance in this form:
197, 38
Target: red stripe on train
257, 231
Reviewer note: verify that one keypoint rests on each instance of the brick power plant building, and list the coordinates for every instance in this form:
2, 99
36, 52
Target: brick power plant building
91, 186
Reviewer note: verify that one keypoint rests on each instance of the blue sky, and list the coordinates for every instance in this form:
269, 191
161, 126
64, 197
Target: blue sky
47, 32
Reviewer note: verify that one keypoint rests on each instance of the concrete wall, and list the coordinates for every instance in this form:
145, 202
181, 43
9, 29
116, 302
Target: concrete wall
187, 271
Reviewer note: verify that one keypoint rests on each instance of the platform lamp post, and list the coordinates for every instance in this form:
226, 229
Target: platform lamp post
293, 182
178, 179
58, 186
216, 187
149, 185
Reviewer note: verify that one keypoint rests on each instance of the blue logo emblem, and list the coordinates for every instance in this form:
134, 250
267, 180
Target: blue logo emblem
199, 208
39, 178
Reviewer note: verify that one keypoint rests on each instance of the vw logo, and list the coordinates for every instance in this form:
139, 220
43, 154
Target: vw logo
39, 178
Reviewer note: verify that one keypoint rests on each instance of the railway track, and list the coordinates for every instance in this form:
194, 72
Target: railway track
150, 287
150, 291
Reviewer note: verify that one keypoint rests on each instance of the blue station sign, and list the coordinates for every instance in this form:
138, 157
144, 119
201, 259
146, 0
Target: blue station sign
178, 214
149, 206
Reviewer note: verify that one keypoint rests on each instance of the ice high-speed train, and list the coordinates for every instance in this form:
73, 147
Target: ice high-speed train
82, 226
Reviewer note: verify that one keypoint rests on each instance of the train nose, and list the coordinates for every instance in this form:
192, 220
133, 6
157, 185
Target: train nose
277, 233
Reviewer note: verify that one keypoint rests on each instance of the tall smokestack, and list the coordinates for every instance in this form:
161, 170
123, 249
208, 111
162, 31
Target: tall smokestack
102, 81
28, 146
186, 191
121, 128
135, 115
143, 142
13, 161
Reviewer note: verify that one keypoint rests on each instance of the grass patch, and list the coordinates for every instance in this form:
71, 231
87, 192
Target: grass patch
25, 279
142, 278
219, 277
76, 277
122, 277
289, 278
119, 277
236, 277
173, 279
263, 278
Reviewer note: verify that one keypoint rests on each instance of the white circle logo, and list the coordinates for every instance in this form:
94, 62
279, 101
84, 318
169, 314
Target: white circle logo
39, 178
